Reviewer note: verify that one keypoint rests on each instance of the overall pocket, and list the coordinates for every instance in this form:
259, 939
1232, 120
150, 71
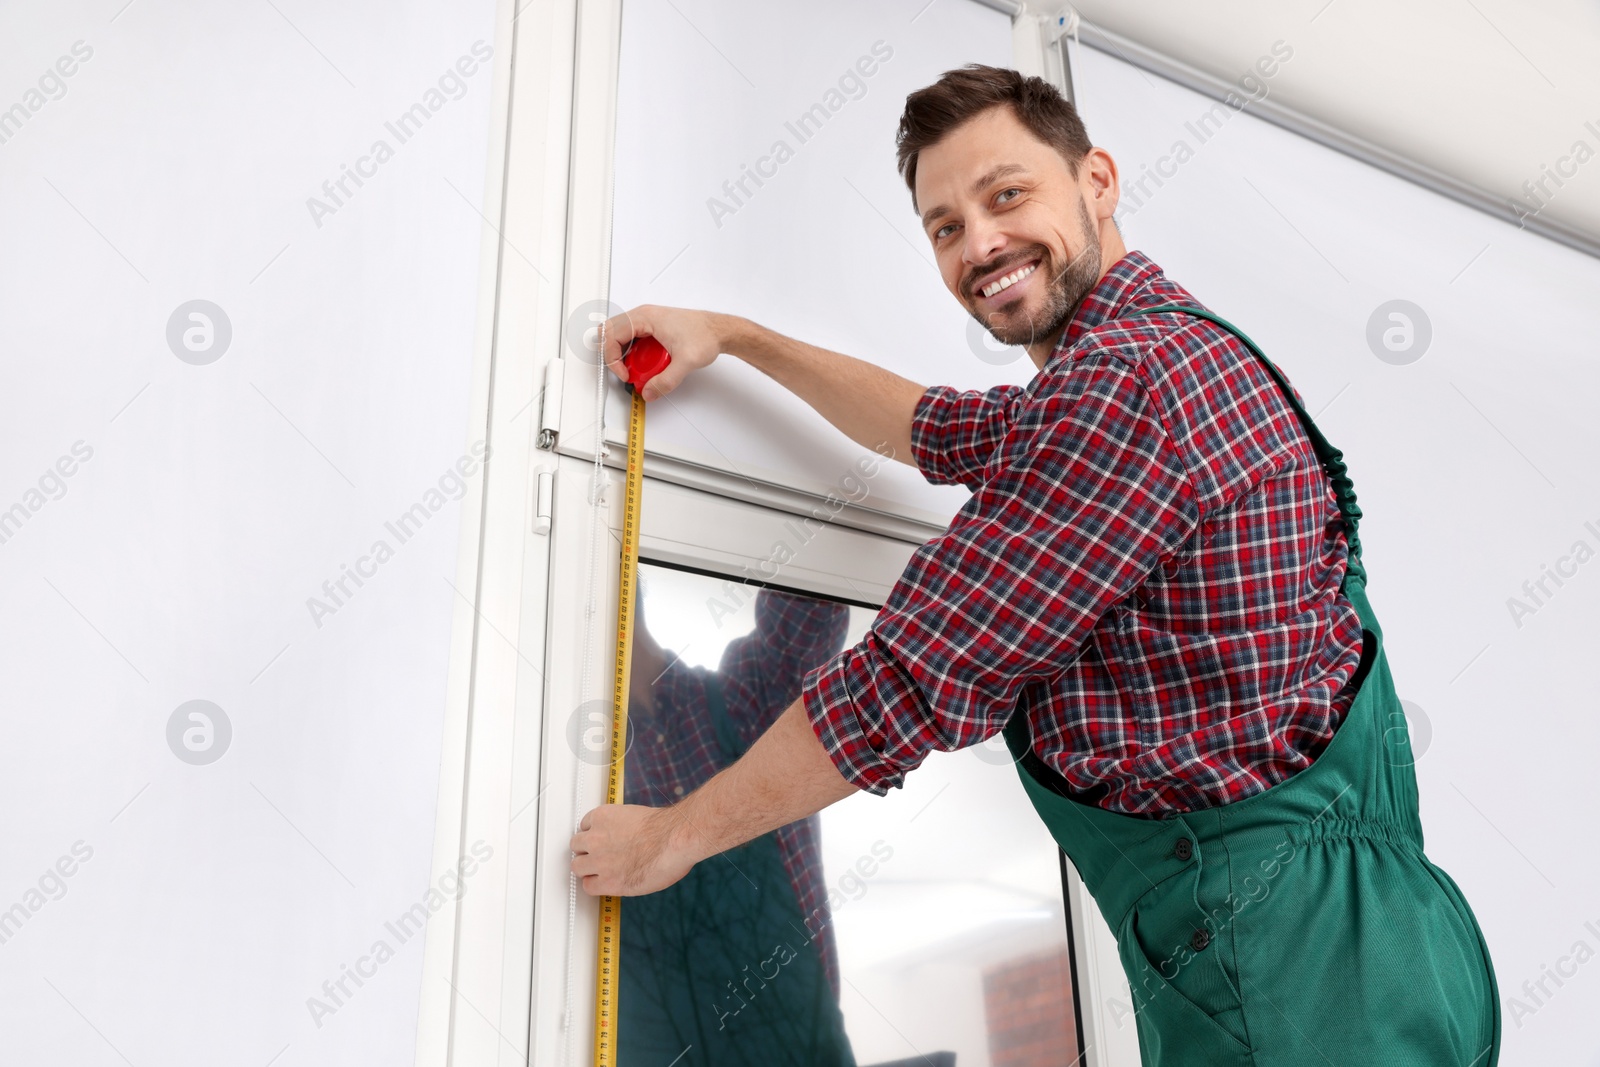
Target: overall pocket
1183, 975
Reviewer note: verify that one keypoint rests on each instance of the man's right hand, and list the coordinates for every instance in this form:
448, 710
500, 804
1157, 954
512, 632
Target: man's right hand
694, 339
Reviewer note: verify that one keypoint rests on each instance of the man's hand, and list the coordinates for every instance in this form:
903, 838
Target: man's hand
624, 850
628, 849
871, 406
694, 339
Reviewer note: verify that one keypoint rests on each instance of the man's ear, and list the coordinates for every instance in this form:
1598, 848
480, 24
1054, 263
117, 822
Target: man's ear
1101, 183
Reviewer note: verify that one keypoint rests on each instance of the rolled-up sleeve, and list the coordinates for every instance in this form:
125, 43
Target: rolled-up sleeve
954, 433
1088, 503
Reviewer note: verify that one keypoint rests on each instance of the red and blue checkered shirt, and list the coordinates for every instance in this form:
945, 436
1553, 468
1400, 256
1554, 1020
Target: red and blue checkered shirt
1148, 568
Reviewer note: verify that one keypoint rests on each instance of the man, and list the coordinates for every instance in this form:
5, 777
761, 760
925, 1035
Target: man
1152, 591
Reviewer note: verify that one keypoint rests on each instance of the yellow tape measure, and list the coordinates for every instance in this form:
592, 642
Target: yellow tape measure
605, 999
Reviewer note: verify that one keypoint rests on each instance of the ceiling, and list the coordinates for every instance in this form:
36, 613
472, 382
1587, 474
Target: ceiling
1502, 95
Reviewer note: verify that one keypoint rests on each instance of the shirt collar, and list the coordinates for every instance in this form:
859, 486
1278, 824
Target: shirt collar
1111, 294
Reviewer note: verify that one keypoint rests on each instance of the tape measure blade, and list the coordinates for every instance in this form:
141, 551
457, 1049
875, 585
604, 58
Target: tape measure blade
609, 954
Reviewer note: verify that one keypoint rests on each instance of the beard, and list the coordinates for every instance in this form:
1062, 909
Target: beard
1063, 293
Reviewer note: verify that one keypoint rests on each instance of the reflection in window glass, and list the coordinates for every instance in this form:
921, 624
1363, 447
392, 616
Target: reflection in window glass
924, 926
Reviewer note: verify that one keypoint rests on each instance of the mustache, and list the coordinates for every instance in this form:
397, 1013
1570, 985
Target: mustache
972, 284
1073, 262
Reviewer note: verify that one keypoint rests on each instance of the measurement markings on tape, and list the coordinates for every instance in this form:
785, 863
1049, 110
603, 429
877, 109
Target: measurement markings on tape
643, 364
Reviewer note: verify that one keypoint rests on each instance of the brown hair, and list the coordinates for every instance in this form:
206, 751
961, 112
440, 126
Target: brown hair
959, 94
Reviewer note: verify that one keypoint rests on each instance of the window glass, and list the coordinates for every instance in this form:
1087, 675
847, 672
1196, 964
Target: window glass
926, 926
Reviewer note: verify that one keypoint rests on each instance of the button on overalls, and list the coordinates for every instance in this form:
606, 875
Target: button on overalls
1302, 925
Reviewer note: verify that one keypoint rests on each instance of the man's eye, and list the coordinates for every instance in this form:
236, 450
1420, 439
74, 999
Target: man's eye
1009, 191
940, 231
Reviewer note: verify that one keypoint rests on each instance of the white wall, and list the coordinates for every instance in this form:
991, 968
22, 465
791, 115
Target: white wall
177, 562
1472, 465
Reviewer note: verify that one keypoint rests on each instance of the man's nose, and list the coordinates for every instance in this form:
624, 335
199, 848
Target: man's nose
985, 242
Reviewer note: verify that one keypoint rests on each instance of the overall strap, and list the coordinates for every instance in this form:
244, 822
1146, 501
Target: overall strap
1331, 458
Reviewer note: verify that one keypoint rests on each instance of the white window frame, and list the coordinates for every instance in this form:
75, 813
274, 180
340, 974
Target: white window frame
495, 968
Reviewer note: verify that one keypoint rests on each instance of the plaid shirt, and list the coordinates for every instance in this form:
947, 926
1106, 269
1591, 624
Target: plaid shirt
1148, 568
675, 749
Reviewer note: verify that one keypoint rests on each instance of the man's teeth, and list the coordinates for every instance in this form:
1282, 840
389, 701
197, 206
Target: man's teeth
1009, 280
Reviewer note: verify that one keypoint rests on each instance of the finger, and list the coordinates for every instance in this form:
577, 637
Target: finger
665, 382
591, 885
618, 330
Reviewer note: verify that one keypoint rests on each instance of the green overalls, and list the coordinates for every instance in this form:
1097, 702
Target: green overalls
721, 967
1302, 925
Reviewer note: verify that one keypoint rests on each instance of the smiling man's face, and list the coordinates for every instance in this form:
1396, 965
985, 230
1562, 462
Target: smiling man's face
1018, 238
